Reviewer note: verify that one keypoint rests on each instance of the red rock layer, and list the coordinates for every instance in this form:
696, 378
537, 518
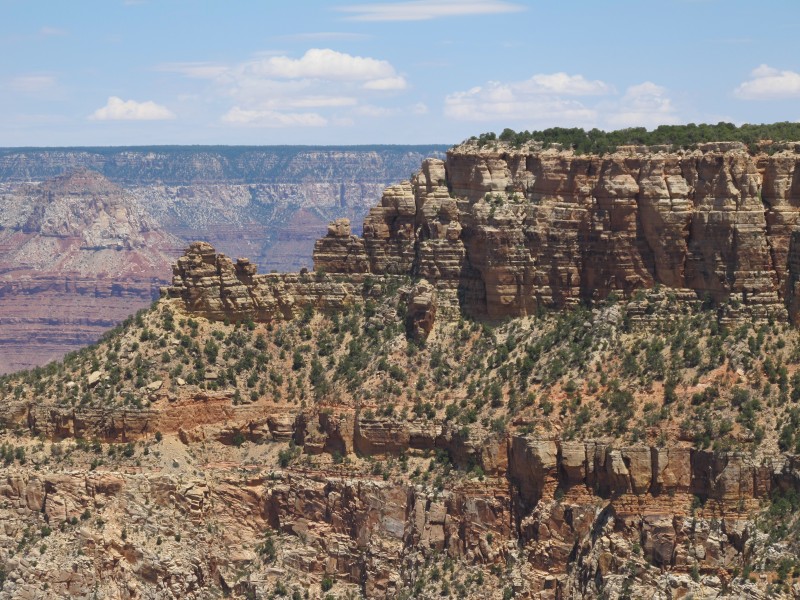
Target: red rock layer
77, 256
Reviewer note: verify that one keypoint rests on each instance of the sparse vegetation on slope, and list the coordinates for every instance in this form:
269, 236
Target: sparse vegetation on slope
652, 370
637, 441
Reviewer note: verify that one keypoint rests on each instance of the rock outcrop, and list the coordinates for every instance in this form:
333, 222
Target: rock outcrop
421, 310
501, 232
567, 517
213, 286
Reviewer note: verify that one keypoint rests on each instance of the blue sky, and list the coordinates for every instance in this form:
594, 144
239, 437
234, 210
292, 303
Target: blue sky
127, 72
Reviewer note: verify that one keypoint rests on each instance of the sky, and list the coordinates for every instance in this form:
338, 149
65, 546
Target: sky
143, 72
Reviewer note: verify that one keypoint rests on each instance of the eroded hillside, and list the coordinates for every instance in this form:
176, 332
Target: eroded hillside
424, 415
627, 449
87, 235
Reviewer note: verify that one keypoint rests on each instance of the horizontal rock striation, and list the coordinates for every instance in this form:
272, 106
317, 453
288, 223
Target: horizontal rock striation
573, 513
503, 231
213, 286
78, 254
190, 165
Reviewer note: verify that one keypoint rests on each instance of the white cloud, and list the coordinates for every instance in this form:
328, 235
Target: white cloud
271, 118
117, 109
540, 98
767, 83
644, 105
559, 99
321, 63
32, 84
420, 108
272, 90
319, 101
387, 83
272, 77
424, 10
561, 83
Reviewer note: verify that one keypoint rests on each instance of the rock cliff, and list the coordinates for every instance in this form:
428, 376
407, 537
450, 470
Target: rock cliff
314, 440
575, 519
504, 231
213, 286
78, 254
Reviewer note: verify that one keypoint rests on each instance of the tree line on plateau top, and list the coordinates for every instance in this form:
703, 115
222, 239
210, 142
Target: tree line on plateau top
595, 141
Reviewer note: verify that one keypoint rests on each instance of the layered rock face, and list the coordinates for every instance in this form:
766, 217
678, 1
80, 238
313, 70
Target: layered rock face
566, 518
502, 232
359, 529
131, 211
78, 255
213, 286
267, 203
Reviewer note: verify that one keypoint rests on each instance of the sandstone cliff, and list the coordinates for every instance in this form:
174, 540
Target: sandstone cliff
575, 520
354, 431
503, 231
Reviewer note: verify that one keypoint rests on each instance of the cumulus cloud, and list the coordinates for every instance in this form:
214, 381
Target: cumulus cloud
271, 90
561, 83
644, 105
117, 109
420, 108
425, 10
272, 72
318, 101
767, 83
543, 97
32, 84
271, 118
321, 63
559, 99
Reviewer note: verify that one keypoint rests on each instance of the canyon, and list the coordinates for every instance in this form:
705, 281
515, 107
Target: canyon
535, 374
267, 203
